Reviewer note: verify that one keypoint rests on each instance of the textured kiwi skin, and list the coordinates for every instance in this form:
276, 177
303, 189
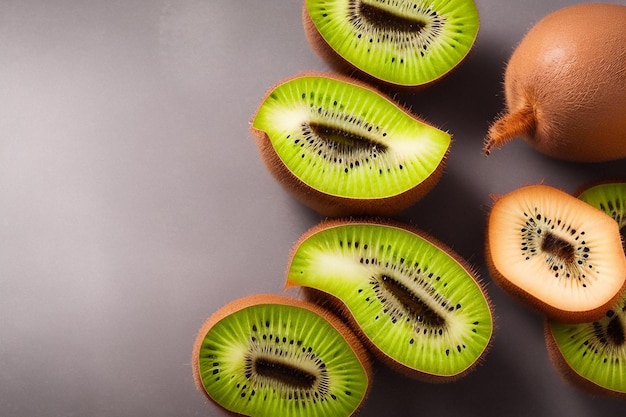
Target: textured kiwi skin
565, 86
339, 63
536, 304
338, 307
568, 374
334, 205
257, 299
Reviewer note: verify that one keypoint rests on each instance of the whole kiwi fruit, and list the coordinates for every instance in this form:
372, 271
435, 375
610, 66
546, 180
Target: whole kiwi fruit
397, 43
565, 86
343, 148
417, 305
555, 253
267, 355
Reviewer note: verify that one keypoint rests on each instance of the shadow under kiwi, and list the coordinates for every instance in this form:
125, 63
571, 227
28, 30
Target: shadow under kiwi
470, 95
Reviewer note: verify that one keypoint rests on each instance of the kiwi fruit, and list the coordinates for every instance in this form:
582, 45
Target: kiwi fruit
342, 148
399, 43
610, 197
418, 306
270, 355
565, 86
555, 252
592, 355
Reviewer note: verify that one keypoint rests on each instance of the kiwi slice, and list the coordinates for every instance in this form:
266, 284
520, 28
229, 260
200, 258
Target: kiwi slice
556, 253
593, 355
402, 42
343, 148
269, 355
610, 197
415, 303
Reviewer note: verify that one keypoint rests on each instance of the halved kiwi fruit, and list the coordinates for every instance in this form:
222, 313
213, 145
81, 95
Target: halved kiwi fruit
610, 197
415, 303
556, 253
269, 355
343, 148
592, 355
402, 42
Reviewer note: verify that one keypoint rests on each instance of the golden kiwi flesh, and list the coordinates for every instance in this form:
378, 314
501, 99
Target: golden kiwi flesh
556, 253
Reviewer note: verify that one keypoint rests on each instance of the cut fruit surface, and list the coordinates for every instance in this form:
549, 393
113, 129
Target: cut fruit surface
343, 148
405, 43
268, 355
610, 197
556, 253
416, 305
592, 355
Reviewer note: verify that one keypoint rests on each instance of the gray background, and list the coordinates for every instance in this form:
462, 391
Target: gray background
133, 203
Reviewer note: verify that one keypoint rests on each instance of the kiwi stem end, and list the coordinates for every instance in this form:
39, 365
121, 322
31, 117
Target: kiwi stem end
520, 123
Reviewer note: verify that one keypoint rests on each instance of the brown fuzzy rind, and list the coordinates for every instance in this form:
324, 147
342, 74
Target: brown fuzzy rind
568, 374
258, 299
336, 305
335, 205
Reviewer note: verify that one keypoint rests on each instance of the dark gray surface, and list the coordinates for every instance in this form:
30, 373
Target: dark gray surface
133, 203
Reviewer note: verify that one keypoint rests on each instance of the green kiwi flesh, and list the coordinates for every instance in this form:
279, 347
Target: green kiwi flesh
610, 197
593, 355
417, 306
403, 43
343, 148
269, 355
556, 253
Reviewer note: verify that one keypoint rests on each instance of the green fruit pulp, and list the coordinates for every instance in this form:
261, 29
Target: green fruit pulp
596, 351
609, 197
412, 300
346, 140
275, 360
402, 42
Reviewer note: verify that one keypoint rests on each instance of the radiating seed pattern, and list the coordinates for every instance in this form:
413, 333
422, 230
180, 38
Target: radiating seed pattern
563, 248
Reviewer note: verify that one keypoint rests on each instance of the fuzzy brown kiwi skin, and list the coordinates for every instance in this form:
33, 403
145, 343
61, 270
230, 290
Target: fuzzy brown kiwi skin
338, 307
568, 374
332, 205
537, 305
258, 299
565, 86
338, 63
